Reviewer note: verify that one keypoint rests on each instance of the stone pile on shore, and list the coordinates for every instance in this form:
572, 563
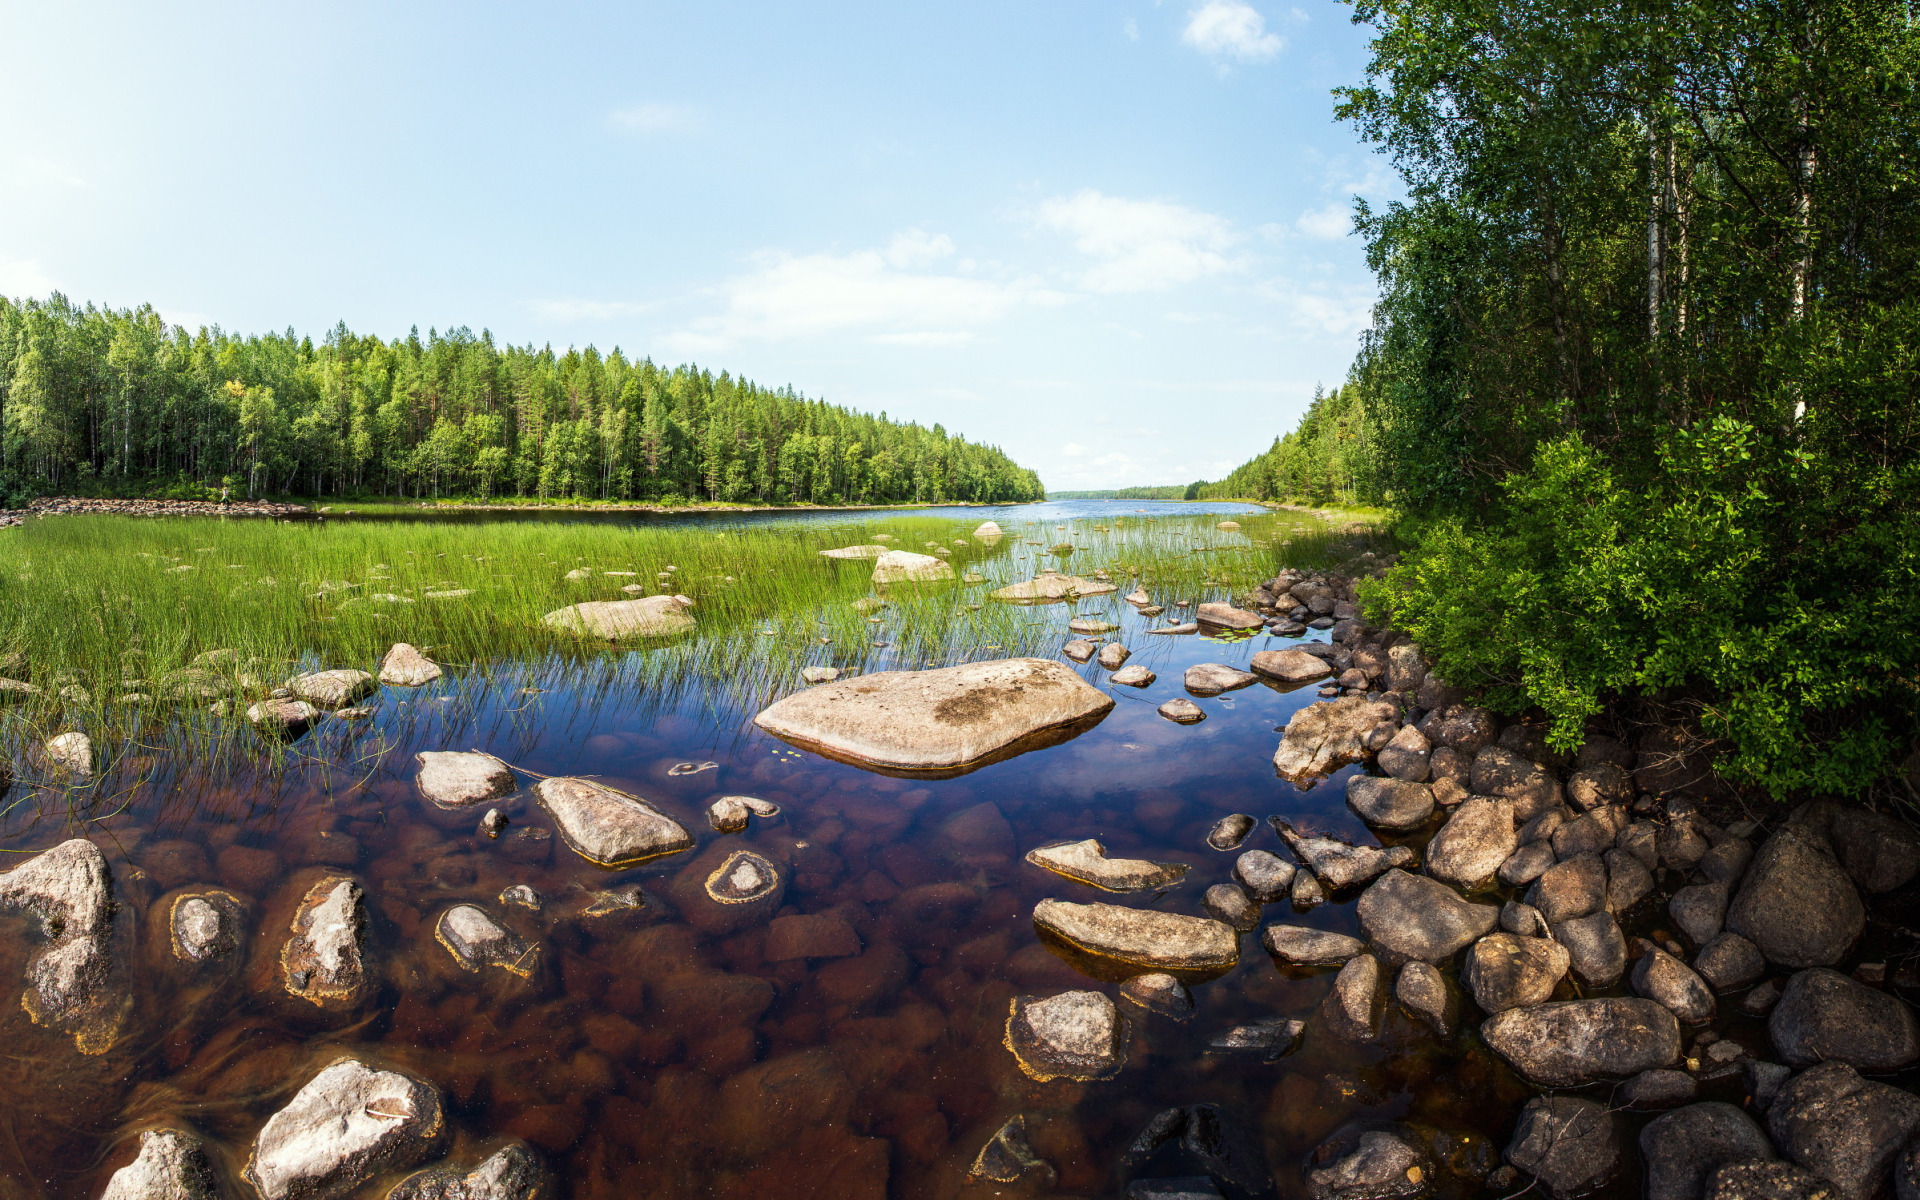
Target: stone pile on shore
47, 506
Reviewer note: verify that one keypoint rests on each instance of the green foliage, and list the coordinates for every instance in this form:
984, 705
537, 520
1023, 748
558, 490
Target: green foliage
1329, 458
1175, 492
105, 402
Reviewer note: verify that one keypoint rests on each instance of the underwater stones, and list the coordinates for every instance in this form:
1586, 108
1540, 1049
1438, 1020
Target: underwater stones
1409, 917
1339, 864
1226, 616
1823, 1015
1475, 841
1075, 1035
1265, 875
1299, 946
1079, 650
1087, 862
1052, 586
607, 828
730, 814
1182, 711
872, 550
348, 1123
1684, 1147
1132, 676
1370, 1164
941, 719
1290, 666
742, 878
1390, 804
1230, 903
1796, 903
1214, 1143
332, 689
172, 1165
520, 895
1273, 1038
1189, 627
1661, 977
1229, 831
1211, 679
476, 941
1506, 970
813, 675
405, 666
324, 959
1327, 735
904, 566
1154, 941
205, 926
1007, 1157
1091, 625
1567, 1043
651, 616
1832, 1122
810, 935
1159, 993
74, 983
69, 754
1568, 1143
285, 717
512, 1172
455, 779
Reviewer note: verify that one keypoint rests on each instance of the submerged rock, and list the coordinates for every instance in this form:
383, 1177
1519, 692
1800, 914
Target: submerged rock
730, 814
1182, 711
324, 960
477, 941
1273, 1038
332, 689
941, 719
1408, 917
69, 754
405, 666
1159, 992
1075, 1035
873, 550
1229, 831
286, 717
172, 1165
512, 1172
347, 1124
1156, 941
1211, 679
1570, 1144
1007, 1157
617, 620
1371, 1164
1327, 735
1133, 676
1053, 586
455, 779
75, 983
607, 828
1842, 1127
1087, 862
205, 926
1686, 1146
1422, 990
1824, 1015
1212, 1140
1568, 1043
1229, 902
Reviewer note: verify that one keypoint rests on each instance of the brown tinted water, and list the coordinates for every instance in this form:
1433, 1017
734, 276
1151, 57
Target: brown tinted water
692, 1049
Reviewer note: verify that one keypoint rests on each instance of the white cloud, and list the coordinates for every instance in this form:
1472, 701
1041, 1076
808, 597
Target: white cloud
1333, 221
1140, 245
918, 248
1231, 29
655, 118
1073, 450
1339, 311
24, 277
1130, 29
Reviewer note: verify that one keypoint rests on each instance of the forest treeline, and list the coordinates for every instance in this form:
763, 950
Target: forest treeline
1644, 377
1328, 458
1169, 492
107, 401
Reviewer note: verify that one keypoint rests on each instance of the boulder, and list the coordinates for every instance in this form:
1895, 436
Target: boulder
457, 779
1322, 737
1591, 832
607, 828
1767, 1181
69, 754
1569, 1144
904, 566
1051, 586
871, 550
1460, 727
1699, 910
1339, 864
1824, 1016
1628, 881
618, 620
75, 981
1390, 804
1351, 1011
1880, 852
1422, 990
1159, 992
1662, 1087
1568, 1043
1470, 848
1406, 668
945, 719
1211, 679
1290, 666
1726, 862
1229, 831
1408, 917
1661, 977
1182, 711
287, 718
1299, 946
1501, 772
1087, 862
1408, 755
1523, 919
1596, 948
1683, 1148
1796, 903
1570, 889
1075, 1035
349, 1123
477, 941
172, 1165
1843, 1128
1370, 1164
1113, 656
1265, 875
1506, 970
405, 666
1730, 962
1230, 903
1598, 786
324, 960
205, 926
988, 531
332, 689
1144, 938
1226, 616
512, 1172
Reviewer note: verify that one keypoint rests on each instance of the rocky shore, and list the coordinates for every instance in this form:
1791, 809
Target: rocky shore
48, 506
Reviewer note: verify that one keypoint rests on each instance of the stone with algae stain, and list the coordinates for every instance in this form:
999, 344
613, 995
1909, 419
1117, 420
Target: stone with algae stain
1075, 1035
75, 983
477, 942
608, 828
324, 959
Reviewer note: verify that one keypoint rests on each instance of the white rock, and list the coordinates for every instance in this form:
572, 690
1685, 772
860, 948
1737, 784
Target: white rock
654, 616
332, 689
69, 753
74, 983
607, 828
904, 566
405, 666
1052, 586
872, 551
172, 1165
347, 1124
461, 778
1087, 862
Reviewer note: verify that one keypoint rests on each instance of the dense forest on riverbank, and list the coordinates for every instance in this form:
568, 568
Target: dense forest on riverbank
1329, 458
105, 401
1645, 374
1171, 492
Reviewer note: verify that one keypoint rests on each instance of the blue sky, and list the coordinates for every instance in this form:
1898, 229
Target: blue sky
1109, 237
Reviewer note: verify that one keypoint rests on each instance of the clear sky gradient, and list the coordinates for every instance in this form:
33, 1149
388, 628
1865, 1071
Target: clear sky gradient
1111, 237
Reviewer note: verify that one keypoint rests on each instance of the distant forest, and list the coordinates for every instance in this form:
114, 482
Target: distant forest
119, 402
1171, 492
1331, 457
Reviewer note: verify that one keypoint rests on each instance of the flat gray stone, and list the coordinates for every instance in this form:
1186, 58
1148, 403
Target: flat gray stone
1391, 804
1338, 863
1298, 946
1568, 1043
1211, 679
405, 666
1087, 862
1322, 737
1075, 1035
1266, 876
1146, 938
606, 828
332, 689
457, 779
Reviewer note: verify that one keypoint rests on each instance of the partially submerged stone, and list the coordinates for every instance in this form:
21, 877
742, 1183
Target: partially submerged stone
1290, 666
172, 1165
477, 941
1075, 1035
1050, 586
1007, 1157
607, 828
205, 926
1182, 711
1229, 831
904, 566
743, 878
512, 1172
1568, 1043
988, 531
871, 550
69, 754
456, 779
615, 620
1159, 992
945, 719
1272, 1038
1087, 862
75, 983
1299, 946
286, 717
1226, 616
332, 689
730, 814
405, 666
1340, 864
1324, 736
324, 959
811, 675
1391, 804
1211, 679
1134, 675
1091, 625
1153, 941
349, 1123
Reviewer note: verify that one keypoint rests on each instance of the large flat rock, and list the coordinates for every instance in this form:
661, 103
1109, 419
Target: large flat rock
653, 616
348, 1123
947, 719
607, 828
1325, 736
904, 566
1410, 918
1568, 1043
1087, 862
1052, 586
1138, 937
